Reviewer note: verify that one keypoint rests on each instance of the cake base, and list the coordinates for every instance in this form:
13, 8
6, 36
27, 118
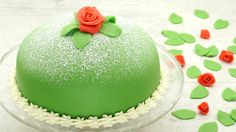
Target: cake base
165, 102
92, 122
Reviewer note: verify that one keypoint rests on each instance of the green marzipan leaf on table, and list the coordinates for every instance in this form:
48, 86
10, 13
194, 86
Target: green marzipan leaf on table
175, 52
225, 118
213, 51
193, 72
232, 72
221, 24
234, 40
208, 127
184, 114
169, 33
69, 29
199, 92
229, 95
233, 114
201, 14
212, 65
110, 29
232, 48
174, 41
175, 19
81, 39
187, 37
111, 19
200, 50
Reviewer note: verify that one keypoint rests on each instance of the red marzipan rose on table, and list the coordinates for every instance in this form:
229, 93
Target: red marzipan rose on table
180, 59
226, 56
206, 79
90, 19
203, 108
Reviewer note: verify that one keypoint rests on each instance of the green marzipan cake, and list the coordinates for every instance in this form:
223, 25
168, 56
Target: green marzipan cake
109, 75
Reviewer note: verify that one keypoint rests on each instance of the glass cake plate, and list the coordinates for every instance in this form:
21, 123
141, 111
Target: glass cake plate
164, 105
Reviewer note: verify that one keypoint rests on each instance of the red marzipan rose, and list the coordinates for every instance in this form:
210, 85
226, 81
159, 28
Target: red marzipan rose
180, 59
203, 108
206, 79
226, 56
90, 19
205, 34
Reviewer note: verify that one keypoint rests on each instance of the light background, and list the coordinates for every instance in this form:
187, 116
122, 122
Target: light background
19, 17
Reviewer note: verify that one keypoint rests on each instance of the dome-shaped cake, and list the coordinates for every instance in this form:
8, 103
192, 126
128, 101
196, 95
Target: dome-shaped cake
108, 75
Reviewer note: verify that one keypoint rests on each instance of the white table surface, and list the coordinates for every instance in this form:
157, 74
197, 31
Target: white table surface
19, 17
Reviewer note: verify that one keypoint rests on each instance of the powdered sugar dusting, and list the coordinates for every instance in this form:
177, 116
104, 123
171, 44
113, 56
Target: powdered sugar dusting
56, 57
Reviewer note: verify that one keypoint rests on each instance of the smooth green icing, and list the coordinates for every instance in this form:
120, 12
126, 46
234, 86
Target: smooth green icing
109, 75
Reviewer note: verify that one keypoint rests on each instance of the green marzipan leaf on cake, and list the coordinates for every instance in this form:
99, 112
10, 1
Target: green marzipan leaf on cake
110, 29
81, 39
69, 29
111, 19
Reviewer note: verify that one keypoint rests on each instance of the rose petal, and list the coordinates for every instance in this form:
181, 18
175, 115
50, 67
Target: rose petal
90, 19
81, 15
90, 29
